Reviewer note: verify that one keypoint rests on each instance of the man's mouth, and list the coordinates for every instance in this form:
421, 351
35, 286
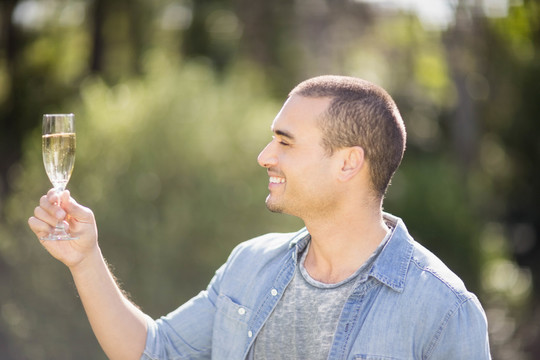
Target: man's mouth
277, 180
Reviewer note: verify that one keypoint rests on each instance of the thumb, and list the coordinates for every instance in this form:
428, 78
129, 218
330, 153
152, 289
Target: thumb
75, 210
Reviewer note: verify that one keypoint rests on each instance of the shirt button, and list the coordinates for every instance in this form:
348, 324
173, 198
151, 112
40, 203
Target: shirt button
241, 311
273, 292
250, 334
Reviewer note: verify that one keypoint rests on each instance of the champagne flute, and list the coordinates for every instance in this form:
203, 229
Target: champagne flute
58, 147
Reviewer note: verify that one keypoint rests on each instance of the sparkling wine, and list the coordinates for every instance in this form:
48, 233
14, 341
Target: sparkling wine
59, 157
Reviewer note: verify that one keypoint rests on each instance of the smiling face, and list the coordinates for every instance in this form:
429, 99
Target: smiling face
300, 171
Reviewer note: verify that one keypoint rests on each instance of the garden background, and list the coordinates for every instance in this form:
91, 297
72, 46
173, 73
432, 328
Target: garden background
173, 102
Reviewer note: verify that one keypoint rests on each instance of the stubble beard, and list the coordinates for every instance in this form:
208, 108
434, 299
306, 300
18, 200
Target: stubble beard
273, 207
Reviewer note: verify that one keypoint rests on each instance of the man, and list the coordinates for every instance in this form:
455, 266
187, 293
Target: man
351, 285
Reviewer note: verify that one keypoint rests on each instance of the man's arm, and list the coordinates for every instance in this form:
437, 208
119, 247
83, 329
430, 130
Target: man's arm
118, 324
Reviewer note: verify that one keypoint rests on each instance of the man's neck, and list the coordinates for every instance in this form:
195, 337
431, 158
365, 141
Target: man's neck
340, 245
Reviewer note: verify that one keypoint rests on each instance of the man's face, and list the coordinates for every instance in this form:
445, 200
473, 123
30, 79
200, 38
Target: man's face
300, 170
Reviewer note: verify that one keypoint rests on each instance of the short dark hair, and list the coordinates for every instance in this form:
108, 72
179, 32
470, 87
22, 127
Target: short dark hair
360, 114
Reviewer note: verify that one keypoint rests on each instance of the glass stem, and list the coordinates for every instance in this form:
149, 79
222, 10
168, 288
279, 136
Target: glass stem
60, 224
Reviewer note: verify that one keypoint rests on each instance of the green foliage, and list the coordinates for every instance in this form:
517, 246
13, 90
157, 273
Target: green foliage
428, 194
166, 159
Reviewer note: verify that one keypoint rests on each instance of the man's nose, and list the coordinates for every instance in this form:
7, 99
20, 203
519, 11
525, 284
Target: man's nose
267, 157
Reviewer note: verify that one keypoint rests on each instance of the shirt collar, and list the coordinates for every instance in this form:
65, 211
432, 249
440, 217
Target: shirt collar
390, 267
300, 238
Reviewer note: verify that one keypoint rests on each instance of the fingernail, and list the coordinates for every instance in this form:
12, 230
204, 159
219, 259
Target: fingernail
60, 214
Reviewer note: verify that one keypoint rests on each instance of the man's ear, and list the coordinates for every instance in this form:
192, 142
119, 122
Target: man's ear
352, 162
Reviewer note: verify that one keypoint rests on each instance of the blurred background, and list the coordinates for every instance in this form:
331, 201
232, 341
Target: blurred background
174, 100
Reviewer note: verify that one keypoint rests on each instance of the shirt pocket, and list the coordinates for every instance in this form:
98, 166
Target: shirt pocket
231, 332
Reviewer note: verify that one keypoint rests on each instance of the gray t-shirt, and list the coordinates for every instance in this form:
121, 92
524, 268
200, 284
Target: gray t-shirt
303, 324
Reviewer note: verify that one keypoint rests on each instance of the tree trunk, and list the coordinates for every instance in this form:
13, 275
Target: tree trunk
10, 134
98, 41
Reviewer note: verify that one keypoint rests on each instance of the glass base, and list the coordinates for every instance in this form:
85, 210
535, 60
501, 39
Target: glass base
59, 234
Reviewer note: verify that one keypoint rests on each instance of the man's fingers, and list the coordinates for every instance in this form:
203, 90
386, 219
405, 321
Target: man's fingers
45, 216
55, 207
78, 212
39, 227
48, 203
52, 196
45, 203
65, 196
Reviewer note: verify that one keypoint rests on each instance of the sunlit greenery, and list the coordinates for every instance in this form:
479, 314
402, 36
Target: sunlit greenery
173, 112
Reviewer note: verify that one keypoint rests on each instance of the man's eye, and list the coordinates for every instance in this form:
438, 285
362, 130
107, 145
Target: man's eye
280, 141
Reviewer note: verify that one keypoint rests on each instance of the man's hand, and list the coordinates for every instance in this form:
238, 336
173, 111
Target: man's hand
79, 221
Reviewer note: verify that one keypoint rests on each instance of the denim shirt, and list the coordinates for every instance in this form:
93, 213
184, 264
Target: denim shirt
408, 306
